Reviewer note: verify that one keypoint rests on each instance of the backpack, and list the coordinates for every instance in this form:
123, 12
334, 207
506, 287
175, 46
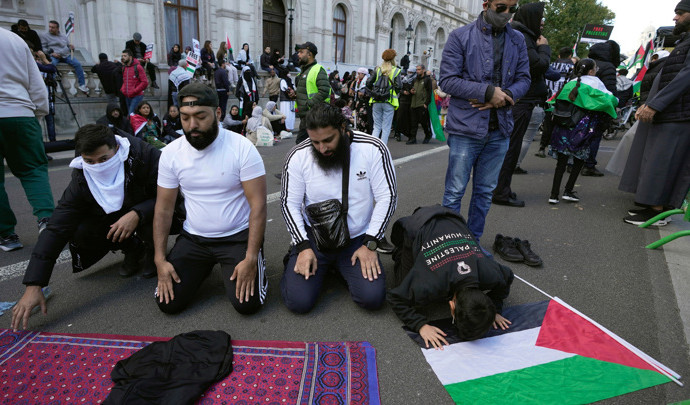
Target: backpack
381, 91
567, 114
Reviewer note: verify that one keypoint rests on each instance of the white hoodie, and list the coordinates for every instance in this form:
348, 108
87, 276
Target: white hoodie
22, 90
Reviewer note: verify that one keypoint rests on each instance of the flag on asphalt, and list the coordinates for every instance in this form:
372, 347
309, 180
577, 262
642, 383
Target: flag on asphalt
550, 354
69, 25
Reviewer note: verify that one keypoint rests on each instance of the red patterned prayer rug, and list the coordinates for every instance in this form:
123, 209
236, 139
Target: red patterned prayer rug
41, 368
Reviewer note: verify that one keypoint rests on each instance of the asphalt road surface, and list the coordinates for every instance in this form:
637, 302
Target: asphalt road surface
592, 260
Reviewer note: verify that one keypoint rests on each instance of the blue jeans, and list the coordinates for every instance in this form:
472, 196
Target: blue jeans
485, 156
72, 62
383, 120
133, 103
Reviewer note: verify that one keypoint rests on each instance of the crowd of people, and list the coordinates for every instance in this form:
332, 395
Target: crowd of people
197, 173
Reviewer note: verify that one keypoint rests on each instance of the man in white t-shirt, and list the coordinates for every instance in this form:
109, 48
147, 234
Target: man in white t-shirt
313, 174
222, 177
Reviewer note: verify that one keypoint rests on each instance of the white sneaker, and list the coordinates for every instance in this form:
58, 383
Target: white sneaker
553, 199
83, 88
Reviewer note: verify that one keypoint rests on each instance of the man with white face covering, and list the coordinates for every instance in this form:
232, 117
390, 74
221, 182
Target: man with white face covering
107, 206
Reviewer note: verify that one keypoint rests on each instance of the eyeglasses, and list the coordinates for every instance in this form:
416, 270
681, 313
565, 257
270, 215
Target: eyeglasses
501, 8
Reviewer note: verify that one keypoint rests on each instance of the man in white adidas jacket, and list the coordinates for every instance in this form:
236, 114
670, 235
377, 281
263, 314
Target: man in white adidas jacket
313, 174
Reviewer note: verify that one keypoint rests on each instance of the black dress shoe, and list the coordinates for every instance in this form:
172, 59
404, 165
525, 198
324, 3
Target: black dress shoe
411, 142
149, 268
505, 247
426, 140
530, 258
385, 247
519, 170
397, 137
154, 85
511, 202
591, 172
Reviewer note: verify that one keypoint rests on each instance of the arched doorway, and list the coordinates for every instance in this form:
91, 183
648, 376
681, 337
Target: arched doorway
274, 26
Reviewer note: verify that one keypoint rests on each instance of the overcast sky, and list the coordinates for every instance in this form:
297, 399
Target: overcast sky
633, 16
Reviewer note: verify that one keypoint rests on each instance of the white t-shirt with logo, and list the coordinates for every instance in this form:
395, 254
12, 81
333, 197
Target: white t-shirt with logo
210, 181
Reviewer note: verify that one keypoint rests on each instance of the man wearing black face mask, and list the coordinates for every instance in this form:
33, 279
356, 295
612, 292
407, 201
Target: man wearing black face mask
528, 20
484, 68
222, 177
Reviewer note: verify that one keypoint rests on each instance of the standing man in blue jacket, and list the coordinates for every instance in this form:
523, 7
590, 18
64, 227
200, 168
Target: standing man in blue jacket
484, 68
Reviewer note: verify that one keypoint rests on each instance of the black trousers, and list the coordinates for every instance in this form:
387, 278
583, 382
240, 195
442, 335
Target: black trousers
522, 113
274, 98
222, 103
402, 119
193, 258
419, 115
547, 130
560, 169
150, 71
277, 126
89, 244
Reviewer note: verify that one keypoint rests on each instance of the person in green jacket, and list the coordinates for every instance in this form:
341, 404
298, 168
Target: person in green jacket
312, 85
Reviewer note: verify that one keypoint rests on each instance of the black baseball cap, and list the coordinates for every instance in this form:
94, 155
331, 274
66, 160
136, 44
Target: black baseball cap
205, 95
308, 46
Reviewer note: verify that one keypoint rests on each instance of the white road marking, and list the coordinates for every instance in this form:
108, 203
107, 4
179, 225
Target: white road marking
17, 269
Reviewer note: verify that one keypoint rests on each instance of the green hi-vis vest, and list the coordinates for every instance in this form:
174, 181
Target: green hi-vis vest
393, 100
312, 88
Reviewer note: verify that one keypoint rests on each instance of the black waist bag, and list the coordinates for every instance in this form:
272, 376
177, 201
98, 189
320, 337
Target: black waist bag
566, 114
328, 218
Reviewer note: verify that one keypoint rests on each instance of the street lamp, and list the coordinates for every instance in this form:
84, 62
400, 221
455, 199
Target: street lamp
291, 10
408, 31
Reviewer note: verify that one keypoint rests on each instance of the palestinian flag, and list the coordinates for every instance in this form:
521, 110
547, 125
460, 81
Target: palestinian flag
591, 98
138, 122
436, 126
69, 25
638, 60
551, 354
227, 43
644, 65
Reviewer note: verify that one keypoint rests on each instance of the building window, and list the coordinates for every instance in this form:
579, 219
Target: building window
181, 22
339, 32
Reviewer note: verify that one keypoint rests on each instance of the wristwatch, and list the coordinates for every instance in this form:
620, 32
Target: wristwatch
372, 245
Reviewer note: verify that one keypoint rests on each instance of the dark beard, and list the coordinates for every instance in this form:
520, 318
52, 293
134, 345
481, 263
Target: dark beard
205, 138
681, 28
337, 160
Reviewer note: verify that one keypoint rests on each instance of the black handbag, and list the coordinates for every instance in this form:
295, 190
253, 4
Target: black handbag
328, 218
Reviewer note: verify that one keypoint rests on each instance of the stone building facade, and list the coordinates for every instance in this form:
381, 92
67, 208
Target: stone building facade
347, 32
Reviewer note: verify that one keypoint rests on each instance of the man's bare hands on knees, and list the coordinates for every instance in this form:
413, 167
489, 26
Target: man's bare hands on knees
166, 275
124, 227
433, 335
369, 261
306, 263
32, 297
245, 274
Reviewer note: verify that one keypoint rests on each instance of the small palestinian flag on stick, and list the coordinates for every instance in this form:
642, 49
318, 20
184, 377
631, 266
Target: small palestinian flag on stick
69, 25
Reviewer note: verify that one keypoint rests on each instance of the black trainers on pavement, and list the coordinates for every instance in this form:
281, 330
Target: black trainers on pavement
10, 242
385, 247
591, 172
642, 217
411, 142
132, 263
553, 199
505, 247
519, 170
530, 258
570, 196
541, 153
149, 267
42, 223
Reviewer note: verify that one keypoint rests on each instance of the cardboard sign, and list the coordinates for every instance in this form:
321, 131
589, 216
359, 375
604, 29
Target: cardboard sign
196, 47
149, 52
594, 34
192, 61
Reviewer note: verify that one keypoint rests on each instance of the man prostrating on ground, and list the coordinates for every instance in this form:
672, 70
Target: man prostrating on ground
223, 180
338, 194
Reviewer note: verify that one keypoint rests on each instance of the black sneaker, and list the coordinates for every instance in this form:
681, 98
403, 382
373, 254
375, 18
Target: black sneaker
42, 223
541, 153
553, 199
505, 247
411, 142
591, 172
132, 262
641, 218
570, 196
149, 267
10, 242
530, 258
155, 85
519, 170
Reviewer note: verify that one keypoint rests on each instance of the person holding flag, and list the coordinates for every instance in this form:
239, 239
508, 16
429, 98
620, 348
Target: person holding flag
59, 48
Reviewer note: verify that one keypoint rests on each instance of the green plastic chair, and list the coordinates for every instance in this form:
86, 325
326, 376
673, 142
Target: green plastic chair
683, 210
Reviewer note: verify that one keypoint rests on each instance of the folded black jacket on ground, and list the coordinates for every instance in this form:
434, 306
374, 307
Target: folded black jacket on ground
177, 371
435, 254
